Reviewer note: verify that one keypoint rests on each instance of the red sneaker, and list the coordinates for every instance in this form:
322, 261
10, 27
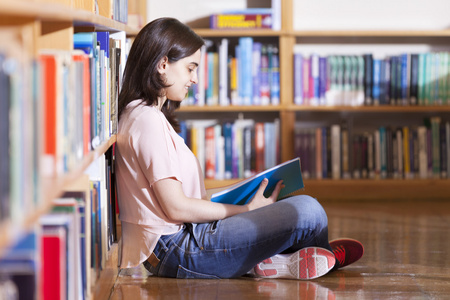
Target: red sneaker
347, 251
307, 263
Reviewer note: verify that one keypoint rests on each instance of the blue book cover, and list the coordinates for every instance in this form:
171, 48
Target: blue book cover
85, 41
103, 39
243, 192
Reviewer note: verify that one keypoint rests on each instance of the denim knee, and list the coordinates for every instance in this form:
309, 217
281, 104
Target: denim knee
309, 208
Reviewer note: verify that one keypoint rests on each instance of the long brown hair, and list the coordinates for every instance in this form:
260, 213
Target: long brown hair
158, 39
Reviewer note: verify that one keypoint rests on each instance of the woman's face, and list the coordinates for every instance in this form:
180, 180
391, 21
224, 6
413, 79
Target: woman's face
180, 75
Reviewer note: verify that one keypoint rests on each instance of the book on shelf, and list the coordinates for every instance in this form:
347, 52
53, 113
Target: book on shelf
252, 18
20, 265
237, 72
406, 79
4, 136
242, 192
386, 152
233, 149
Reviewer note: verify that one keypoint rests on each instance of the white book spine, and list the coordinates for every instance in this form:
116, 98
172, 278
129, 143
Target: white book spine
423, 158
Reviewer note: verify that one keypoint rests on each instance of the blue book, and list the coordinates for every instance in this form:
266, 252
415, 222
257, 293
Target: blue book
228, 141
376, 81
245, 69
405, 70
103, 39
323, 80
242, 192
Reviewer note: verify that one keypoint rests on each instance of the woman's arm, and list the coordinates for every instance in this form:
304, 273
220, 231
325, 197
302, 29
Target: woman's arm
180, 209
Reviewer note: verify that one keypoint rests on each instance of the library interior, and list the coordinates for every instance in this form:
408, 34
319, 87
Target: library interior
358, 91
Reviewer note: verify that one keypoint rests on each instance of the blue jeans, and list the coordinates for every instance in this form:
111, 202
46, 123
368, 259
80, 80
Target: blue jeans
231, 247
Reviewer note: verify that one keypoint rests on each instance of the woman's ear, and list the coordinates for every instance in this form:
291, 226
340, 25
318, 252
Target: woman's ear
162, 65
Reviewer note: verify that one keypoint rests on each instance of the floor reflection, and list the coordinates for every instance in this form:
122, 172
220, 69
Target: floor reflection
406, 256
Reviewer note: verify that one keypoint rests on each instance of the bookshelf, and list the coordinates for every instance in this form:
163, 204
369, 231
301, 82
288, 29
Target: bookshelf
27, 28
289, 113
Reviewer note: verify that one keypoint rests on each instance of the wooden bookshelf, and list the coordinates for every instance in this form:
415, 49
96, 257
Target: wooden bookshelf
37, 25
365, 189
289, 113
369, 33
55, 12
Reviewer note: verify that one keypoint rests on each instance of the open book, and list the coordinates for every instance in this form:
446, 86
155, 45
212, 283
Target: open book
242, 192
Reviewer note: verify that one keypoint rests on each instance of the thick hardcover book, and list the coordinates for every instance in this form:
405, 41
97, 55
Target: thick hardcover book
243, 192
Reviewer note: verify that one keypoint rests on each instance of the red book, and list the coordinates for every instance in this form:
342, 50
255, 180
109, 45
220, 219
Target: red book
53, 270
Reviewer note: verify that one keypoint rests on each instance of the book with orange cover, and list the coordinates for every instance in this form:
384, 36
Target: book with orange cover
49, 66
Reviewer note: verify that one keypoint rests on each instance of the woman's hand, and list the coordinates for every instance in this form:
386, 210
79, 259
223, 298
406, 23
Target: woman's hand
259, 200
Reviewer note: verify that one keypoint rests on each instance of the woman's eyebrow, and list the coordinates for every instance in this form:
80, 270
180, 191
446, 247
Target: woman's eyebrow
194, 63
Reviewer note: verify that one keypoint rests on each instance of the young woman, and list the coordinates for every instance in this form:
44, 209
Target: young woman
168, 222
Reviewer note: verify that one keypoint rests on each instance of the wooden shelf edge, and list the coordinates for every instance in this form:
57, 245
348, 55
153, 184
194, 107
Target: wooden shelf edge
370, 33
207, 32
366, 189
62, 13
230, 108
323, 108
52, 188
380, 108
383, 189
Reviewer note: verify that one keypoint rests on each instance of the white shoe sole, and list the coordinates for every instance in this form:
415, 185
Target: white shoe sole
307, 263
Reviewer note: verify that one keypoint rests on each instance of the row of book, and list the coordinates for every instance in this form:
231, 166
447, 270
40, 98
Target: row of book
405, 79
65, 251
247, 74
398, 153
235, 149
56, 109
19, 133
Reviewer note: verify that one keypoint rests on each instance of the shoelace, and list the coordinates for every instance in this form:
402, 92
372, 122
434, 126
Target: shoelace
339, 252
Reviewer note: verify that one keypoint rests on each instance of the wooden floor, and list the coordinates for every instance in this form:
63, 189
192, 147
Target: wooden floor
406, 257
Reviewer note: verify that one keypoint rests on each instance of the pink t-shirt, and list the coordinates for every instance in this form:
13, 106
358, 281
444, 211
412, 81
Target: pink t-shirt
148, 150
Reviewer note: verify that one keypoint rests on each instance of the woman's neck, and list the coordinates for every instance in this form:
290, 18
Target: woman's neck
161, 101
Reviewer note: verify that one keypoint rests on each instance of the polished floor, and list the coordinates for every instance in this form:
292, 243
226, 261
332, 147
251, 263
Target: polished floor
406, 257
